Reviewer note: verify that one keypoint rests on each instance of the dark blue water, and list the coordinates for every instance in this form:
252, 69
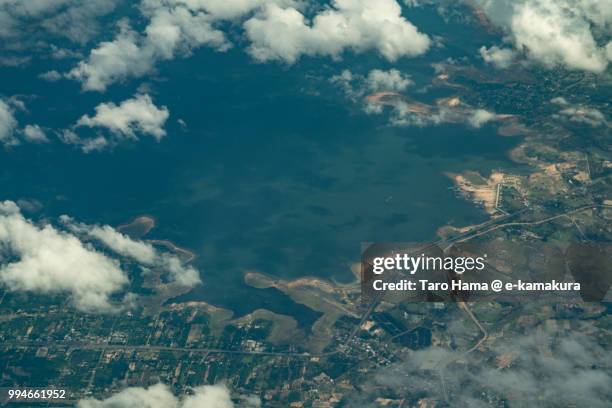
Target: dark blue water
276, 171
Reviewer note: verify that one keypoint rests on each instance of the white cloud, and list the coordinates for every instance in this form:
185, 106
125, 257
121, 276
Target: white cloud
583, 114
579, 113
392, 80
277, 30
559, 100
356, 86
122, 244
160, 396
156, 396
32, 24
34, 133
8, 124
43, 259
87, 145
499, 57
173, 28
557, 32
64, 53
113, 61
132, 116
405, 111
181, 274
48, 260
50, 76
217, 396
142, 252
219, 9
223, 9
345, 81
480, 116
547, 367
279, 33
118, 242
10, 133
78, 21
